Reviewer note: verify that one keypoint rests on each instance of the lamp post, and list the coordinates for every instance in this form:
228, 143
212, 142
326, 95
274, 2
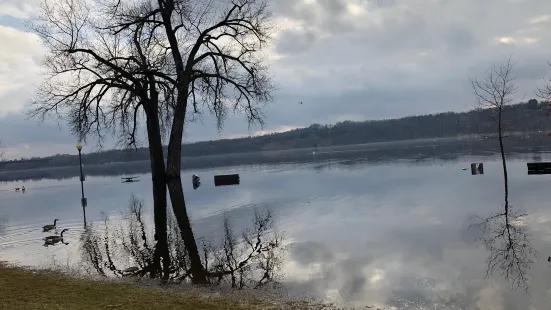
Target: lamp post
83, 201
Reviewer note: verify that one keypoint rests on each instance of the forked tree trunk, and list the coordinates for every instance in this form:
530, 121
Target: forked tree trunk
158, 178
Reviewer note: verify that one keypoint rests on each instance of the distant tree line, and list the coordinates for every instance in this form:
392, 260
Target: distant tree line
529, 118
448, 150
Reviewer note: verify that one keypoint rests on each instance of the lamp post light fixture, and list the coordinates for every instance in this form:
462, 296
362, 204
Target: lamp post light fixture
83, 201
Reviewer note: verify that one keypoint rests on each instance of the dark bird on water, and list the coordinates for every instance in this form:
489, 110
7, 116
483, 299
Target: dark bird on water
55, 239
50, 227
301, 102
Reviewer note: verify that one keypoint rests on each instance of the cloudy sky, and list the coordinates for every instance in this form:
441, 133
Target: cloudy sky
344, 59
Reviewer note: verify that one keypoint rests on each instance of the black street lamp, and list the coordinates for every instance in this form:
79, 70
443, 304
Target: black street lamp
83, 201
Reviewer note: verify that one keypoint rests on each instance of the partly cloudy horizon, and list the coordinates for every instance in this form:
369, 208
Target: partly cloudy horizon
344, 59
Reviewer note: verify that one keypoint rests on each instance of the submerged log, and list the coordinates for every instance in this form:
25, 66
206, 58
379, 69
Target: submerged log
228, 179
539, 168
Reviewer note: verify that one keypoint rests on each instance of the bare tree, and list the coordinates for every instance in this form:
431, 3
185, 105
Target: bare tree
1, 153
103, 82
216, 52
215, 73
495, 91
205, 54
504, 234
544, 92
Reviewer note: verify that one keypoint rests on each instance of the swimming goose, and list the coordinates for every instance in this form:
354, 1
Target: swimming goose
55, 239
49, 227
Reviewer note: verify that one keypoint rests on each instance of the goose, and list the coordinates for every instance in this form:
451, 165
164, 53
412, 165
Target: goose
49, 227
55, 239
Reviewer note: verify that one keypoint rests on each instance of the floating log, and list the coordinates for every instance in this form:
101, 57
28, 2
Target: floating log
228, 179
539, 168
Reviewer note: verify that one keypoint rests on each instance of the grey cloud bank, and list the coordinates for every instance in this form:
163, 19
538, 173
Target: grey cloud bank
343, 59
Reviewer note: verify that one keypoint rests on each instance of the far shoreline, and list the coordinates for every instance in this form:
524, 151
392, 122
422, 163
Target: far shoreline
400, 150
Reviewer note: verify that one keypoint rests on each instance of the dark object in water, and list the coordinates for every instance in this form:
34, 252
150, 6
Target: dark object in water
549, 259
196, 184
228, 179
477, 168
195, 178
17, 189
539, 168
196, 181
129, 179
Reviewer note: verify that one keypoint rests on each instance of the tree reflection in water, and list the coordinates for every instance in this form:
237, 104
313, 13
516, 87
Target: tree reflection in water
124, 248
507, 239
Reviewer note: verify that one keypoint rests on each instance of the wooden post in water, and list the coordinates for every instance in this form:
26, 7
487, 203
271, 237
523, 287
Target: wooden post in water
477, 168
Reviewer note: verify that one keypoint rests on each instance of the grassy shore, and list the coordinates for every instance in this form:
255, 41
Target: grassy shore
24, 289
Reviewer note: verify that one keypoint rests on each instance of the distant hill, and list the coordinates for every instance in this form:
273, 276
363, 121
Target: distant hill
527, 117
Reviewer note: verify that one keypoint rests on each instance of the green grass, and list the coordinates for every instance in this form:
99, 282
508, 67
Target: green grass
24, 289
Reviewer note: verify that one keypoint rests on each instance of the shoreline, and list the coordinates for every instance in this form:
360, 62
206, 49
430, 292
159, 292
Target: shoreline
22, 288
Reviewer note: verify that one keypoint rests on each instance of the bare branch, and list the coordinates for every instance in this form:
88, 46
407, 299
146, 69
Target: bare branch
544, 92
223, 42
508, 242
96, 78
1, 153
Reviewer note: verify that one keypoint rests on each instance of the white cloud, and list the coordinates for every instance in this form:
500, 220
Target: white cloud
540, 19
20, 54
17, 8
279, 129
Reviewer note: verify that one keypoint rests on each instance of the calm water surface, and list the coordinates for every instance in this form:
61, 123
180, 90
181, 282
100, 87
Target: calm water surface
391, 233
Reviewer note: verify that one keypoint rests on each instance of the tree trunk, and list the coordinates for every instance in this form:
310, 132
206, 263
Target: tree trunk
174, 156
504, 163
158, 178
174, 182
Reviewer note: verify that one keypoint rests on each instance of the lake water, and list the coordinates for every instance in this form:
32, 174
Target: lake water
391, 232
